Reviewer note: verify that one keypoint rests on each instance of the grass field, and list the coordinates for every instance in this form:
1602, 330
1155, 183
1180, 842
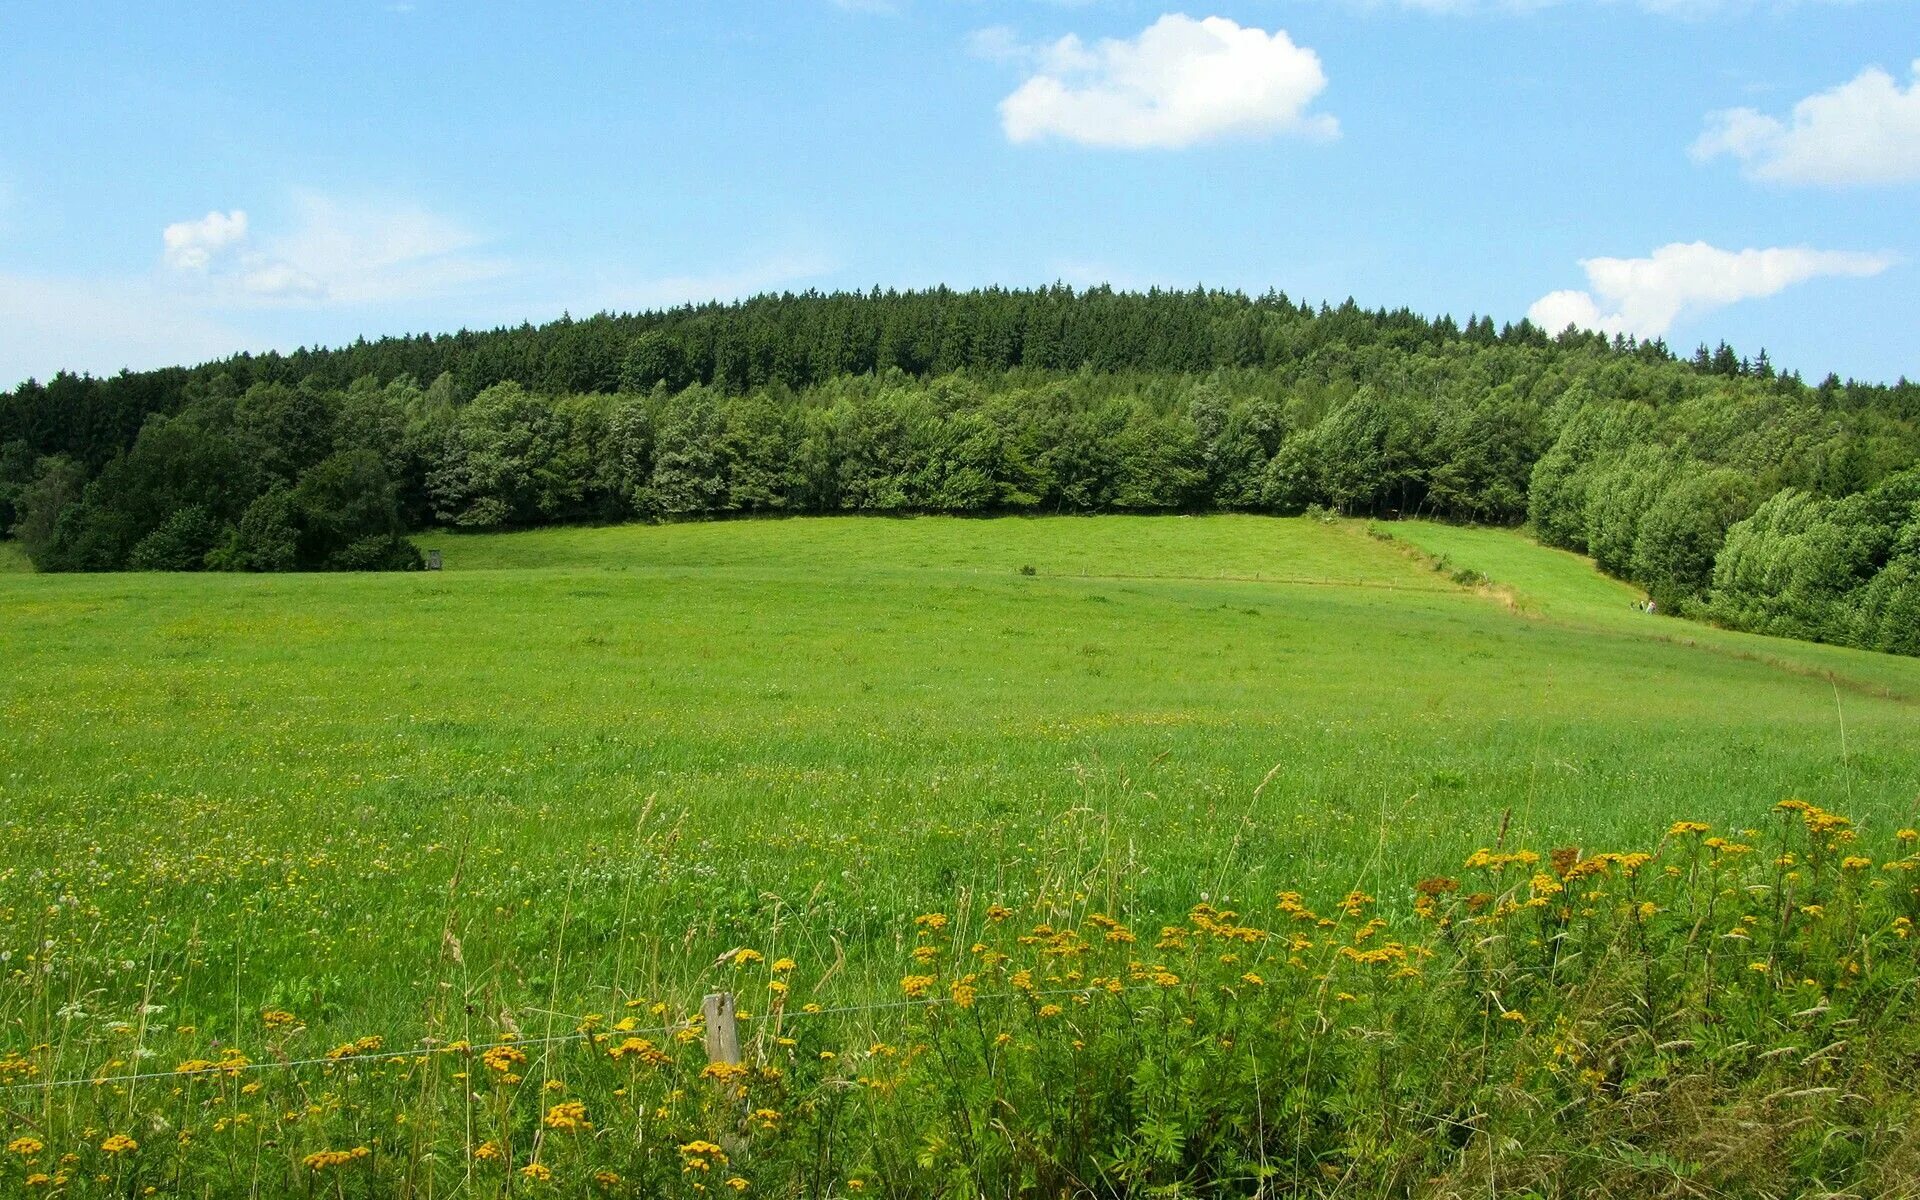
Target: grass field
592, 761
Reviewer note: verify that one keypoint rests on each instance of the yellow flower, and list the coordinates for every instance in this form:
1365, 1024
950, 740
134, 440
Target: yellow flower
931, 922
1050, 1010
503, 1058
1854, 862
568, 1114
1760, 967
26, 1145
321, 1160
1684, 827
487, 1152
1252, 979
915, 986
744, 957
1908, 835
119, 1143
607, 1179
1514, 1014
537, 1172
784, 964
737, 1184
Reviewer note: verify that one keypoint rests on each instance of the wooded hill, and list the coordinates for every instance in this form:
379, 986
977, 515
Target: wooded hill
1726, 489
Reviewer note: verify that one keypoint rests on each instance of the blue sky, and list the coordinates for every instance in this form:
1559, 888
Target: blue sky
183, 181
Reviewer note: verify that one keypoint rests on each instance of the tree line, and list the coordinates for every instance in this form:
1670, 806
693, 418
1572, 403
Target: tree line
1726, 489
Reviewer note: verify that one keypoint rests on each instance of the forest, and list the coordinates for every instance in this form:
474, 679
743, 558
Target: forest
1729, 491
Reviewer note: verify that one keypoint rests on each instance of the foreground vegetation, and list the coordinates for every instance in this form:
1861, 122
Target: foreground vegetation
1720, 487
480, 841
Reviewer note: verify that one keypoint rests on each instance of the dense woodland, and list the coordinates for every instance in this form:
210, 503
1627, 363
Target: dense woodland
1727, 490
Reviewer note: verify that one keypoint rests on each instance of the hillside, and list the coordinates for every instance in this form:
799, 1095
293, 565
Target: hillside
1715, 484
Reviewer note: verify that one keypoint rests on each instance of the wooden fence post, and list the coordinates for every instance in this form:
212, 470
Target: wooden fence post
723, 1036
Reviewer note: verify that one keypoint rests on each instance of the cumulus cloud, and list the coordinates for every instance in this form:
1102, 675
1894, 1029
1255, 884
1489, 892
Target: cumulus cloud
1644, 297
1865, 131
192, 245
331, 252
1181, 81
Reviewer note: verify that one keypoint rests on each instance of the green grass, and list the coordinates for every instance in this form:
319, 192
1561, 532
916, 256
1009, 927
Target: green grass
13, 560
857, 717
602, 757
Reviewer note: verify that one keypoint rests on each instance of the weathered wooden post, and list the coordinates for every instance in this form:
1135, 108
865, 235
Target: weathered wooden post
433, 560
723, 1035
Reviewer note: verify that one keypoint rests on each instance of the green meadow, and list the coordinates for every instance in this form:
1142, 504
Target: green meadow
578, 766
269, 782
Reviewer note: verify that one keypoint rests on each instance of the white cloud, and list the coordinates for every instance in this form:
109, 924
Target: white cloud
1865, 131
1180, 82
102, 325
192, 245
1644, 297
333, 252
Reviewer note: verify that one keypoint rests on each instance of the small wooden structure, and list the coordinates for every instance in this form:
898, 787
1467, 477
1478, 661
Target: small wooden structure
433, 560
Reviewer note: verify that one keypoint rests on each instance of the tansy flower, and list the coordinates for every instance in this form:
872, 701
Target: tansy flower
915, 986
1684, 827
568, 1114
737, 1184
487, 1152
26, 1145
321, 1160
784, 965
744, 957
119, 1143
537, 1172
1514, 1014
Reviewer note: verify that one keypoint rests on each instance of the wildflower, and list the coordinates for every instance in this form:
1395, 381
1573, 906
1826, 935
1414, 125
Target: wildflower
607, 1179
1681, 828
536, 1172
642, 1049
1514, 1015
964, 992
1908, 835
745, 957
503, 1058
737, 1184
1050, 1010
26, 1145
1252, 979
488, 1151
119, 1143
1902, 927
568, 1114
915, 986
38, 1179
995, 913
699, 1156
783, 965
1855, 862
321, 1160
931, 922
1758, 967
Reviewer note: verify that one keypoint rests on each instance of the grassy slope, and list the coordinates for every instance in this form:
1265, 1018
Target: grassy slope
13, 560
860, 718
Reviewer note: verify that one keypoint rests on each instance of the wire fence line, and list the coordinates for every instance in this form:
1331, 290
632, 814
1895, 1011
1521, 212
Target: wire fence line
436, 1048
589, 1035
